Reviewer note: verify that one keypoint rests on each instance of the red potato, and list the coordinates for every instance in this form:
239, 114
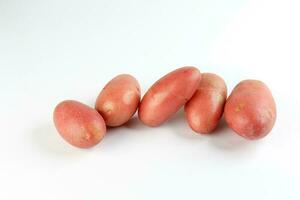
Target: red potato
119, 100
205, 109
250, 110
168, 95
78, 124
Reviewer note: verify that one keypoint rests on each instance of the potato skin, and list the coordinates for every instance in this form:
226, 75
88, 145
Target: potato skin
119, 100
205, 109
78, 124
168, 95
251, 110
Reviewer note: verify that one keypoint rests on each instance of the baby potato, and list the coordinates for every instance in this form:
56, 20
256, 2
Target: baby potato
119, 100
204, 110
168, 95
78, 124
250, 110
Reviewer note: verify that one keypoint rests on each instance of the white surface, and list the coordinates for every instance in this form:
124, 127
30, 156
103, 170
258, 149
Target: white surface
56, 50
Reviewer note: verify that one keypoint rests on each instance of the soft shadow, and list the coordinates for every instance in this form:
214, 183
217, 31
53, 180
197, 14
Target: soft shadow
180, 127
48, 141
135, 124
224, 138
221, 127
115, 136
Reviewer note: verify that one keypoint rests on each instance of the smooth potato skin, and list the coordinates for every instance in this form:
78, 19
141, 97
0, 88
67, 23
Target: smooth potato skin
205, 109
168, 95
250, 110
119, 100
78, 124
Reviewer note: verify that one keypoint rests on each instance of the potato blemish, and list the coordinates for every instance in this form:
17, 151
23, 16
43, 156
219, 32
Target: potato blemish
240, 107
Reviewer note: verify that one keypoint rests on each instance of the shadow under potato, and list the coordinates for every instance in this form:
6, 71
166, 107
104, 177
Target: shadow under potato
46, 138
180, 127
49, 142
226, 139
222, 137
117, 135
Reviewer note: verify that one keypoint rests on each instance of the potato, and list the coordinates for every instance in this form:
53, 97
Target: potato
78, 124
168, 95
250, 110
119, 100
204, 110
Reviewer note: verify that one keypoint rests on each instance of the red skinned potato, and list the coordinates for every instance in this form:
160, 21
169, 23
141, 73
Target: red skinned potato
168, 95
250, 110
78, 124
205, 109
119, 100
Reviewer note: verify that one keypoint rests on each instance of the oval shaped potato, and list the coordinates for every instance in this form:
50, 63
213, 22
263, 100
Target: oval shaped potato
204, 110
119, 100
168, 95
78, 124
250, 109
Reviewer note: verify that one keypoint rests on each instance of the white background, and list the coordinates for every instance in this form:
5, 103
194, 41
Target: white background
56, 50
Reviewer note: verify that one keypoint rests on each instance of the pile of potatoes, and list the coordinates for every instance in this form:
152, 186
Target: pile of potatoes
250, 109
